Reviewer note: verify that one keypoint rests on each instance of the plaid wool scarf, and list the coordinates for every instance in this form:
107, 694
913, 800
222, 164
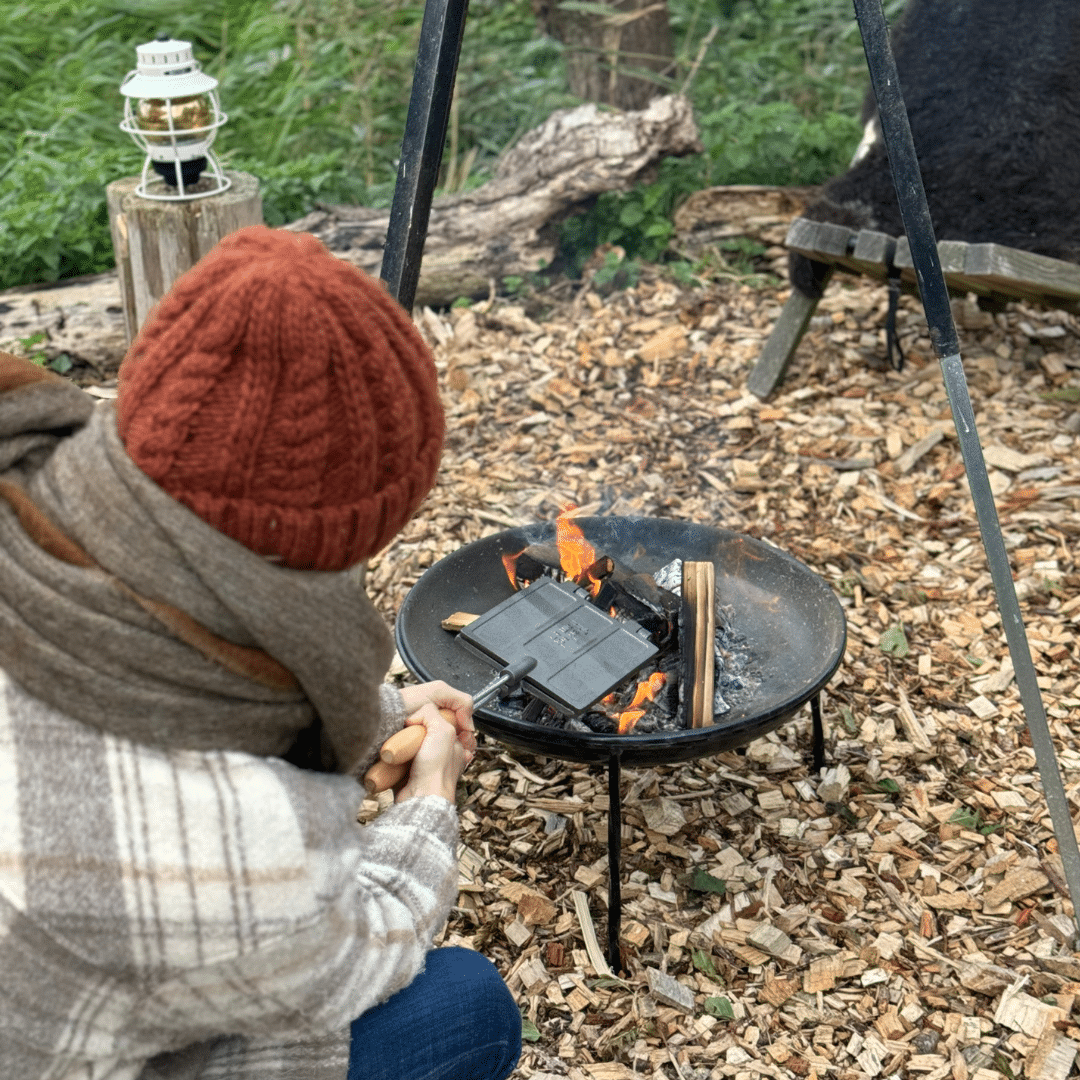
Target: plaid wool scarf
121, 608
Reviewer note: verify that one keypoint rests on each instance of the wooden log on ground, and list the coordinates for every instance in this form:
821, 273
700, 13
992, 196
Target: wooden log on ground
155, 241
757, 211
80, 318
505, 228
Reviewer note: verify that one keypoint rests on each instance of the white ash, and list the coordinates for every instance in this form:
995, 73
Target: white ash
670, 577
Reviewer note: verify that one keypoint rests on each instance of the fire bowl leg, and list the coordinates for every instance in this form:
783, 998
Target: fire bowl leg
818, 733
614, 837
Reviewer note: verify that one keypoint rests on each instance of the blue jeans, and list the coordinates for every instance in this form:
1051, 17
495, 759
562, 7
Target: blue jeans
455, 1021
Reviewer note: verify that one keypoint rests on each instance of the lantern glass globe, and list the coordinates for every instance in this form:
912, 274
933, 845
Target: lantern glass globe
191, 117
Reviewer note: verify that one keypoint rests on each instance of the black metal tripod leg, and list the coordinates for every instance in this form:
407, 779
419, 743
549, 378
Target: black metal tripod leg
422, 146
614, 839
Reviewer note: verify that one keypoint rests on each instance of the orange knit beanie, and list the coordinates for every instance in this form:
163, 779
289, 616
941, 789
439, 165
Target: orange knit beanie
285, 398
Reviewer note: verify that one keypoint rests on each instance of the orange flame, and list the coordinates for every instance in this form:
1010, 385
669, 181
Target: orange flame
646, 691
576, 554
510, 565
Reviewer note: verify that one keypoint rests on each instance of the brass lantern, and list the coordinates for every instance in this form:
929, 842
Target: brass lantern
171, 110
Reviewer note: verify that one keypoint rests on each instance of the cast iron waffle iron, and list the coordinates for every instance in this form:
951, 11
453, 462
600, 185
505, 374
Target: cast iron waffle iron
581, 653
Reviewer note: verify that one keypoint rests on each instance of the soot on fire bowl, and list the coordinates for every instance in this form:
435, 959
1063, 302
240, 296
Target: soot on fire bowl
789, 621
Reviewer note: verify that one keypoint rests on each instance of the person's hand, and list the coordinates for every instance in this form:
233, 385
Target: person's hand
439, 762
444, 696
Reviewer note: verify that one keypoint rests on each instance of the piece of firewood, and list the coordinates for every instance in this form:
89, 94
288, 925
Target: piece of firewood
707, 592
699, 591
688, 641
458, 621
588, 934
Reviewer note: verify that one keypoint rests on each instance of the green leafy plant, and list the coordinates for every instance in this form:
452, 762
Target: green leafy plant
529, 1031
61, 364
847, 718
887, 785
966, 818
970, 819
317, 91
616, 272
28, 343
1001, 1063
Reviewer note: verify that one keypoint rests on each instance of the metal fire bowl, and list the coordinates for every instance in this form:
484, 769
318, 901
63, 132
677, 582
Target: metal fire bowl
793, 627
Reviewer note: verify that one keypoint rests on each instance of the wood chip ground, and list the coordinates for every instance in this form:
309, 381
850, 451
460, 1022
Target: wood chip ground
903, 914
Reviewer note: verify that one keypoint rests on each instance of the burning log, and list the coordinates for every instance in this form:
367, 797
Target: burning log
689, 632
530, 564
699, 595
613, 586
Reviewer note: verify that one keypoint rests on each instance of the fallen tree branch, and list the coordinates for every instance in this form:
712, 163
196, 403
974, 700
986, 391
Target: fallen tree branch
504, 228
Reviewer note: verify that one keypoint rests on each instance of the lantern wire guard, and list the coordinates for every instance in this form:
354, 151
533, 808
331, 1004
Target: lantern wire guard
171, 110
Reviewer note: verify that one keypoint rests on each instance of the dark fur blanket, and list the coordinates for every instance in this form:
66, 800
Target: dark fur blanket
993, 95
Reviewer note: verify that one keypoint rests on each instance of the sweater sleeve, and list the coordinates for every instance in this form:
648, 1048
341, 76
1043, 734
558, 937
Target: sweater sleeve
392, 713
223, 899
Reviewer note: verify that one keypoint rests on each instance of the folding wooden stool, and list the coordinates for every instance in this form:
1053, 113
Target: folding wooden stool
995, 273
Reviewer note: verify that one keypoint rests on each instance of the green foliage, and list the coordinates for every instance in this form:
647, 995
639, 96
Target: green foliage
847, 717
28, 343
61, 364
1069, 394
777, 99
529, 1031
702, 881
967, 818
316, 93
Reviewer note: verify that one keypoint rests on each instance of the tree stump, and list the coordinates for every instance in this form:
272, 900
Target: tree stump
155, 242
620, 57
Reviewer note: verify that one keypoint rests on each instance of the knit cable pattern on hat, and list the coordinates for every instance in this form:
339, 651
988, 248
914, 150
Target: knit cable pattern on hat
285, 398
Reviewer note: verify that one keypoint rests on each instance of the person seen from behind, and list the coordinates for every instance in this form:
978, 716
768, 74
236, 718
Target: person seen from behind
191, 683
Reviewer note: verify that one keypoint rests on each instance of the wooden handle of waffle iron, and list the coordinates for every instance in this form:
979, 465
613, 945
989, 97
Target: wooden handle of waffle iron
395, 755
